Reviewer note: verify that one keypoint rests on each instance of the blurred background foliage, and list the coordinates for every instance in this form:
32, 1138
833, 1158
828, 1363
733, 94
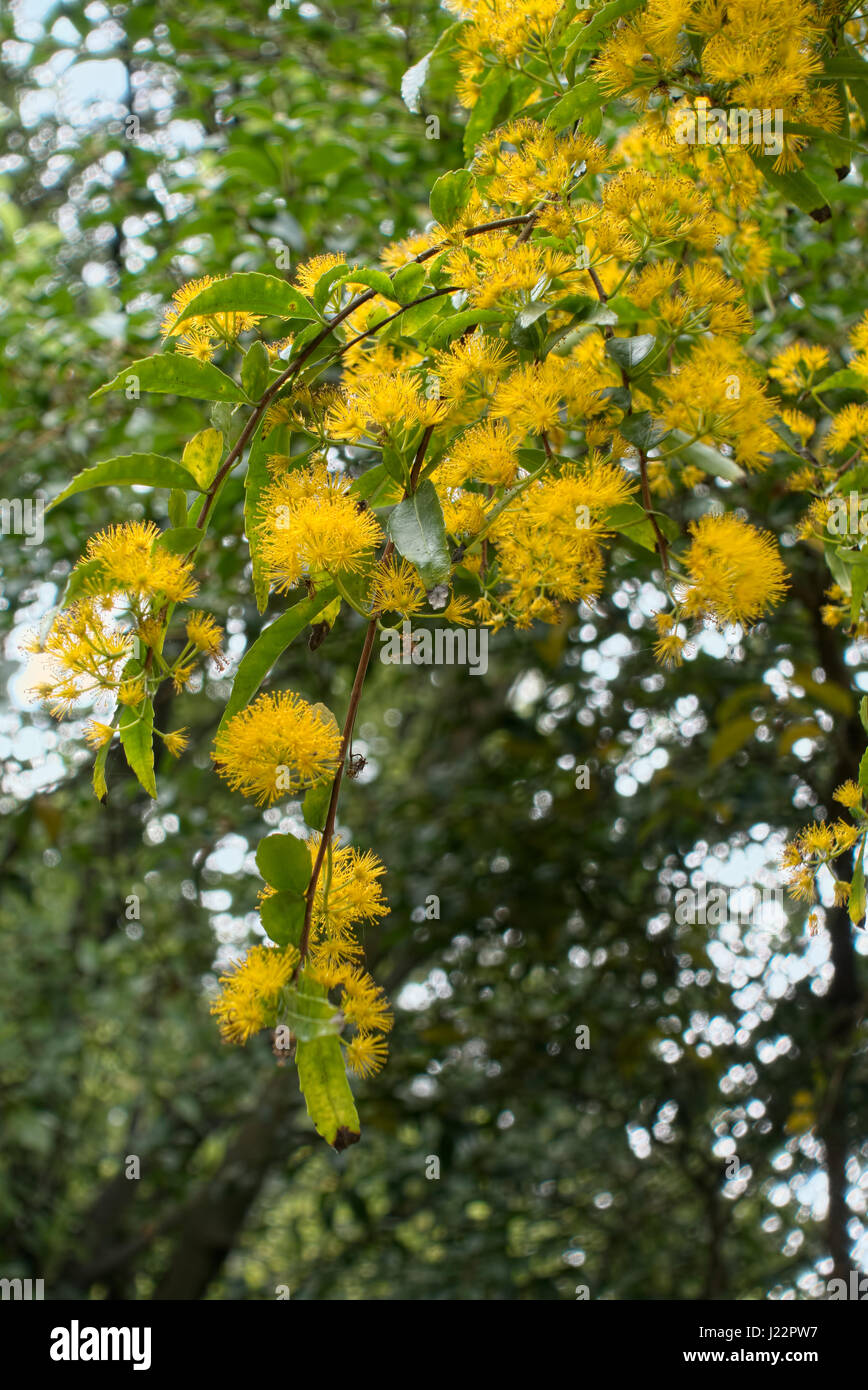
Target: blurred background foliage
144, 144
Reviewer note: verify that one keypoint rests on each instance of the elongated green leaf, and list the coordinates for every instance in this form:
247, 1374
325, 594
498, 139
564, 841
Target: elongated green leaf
708, 459
845, 379
322, 1079
450, 328
315, 806
323, 286
168, 373
578, 99
248, 292
493, 94
587, 35
284, 862
100, 789
846, 65
856, 905
642, 430
258, 661
416, 526
137, 737
374, 279
796, 187
180, 540
149, 470
256, 479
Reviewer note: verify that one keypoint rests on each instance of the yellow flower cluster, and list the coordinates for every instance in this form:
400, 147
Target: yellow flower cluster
107, 645
763, 57
348, 895
817, 845
277, 745
309, 523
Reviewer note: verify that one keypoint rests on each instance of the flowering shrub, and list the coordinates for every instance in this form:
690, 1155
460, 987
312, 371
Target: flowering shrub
463, 432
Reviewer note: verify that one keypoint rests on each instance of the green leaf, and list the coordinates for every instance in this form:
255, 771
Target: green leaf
703, 456
450, 328
202, 455
177, 507
376, 485
492, 95
408, 282
315, 806
587, 35
256, 370
630, 521
323, 286
629, 352
846, 65
859, 582
258, 661
150, 470
374, 279
99, 784
170, 373
795, 187
415, 319
863, 712
322, 1079
284, 862
247, 292
863, 771
137, 737
282, 916
846, 379
76, 585
308, 1012
180, 540
256, 479
856, 904
450, 195
642, 430
578, 99
416, 526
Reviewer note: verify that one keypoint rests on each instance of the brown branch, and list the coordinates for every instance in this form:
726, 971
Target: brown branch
662, 543
349, 722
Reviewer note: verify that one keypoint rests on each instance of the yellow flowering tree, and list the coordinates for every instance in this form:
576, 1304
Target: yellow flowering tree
461, 432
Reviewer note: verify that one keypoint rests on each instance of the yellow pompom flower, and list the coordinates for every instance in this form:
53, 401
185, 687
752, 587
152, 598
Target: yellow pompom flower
205, 634
278, 745
307, 274
736, 573
249, 995
488, 452
366, 1054
849, 794
397, 588
176, 742
363, 1002
129, 559
309, 522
